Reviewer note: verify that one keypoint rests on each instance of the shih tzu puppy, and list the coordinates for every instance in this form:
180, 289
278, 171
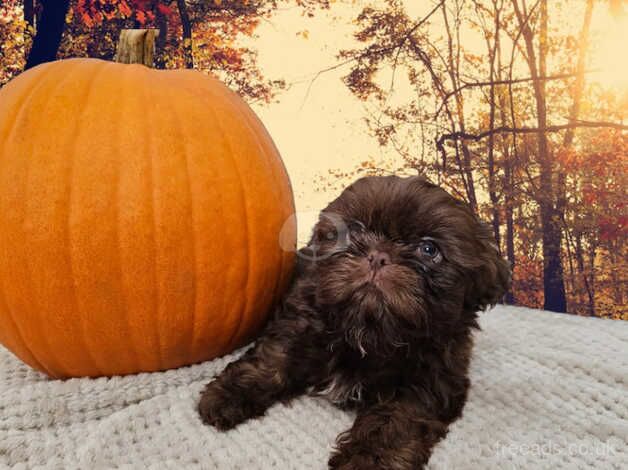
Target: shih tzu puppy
379, 318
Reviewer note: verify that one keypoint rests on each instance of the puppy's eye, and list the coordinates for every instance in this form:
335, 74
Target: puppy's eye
428, 249
330, 235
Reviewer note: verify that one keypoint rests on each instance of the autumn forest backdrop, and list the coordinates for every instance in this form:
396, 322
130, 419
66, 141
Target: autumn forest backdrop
517, 106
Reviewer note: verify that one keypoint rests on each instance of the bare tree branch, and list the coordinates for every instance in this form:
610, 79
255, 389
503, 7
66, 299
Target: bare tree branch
407, 35
454, 136
466, 85
368, 52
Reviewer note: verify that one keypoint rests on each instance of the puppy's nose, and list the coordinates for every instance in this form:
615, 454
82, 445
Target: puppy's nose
377, 259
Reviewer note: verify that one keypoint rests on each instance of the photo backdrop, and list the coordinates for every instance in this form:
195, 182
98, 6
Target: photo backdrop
516, 106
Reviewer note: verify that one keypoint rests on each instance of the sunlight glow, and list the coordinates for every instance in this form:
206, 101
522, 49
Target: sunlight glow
610, 53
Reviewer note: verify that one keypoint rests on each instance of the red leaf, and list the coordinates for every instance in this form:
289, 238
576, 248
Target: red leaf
87, 19
140, 16
125, 9
164, 9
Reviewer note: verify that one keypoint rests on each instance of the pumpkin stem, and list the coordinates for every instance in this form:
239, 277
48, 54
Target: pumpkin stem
136, 46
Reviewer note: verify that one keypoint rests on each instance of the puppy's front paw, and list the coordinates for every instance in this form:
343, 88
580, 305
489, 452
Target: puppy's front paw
224, 408
342, 460
357, 457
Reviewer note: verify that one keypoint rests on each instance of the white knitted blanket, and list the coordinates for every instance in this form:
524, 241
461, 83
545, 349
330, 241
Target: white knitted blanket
549, 392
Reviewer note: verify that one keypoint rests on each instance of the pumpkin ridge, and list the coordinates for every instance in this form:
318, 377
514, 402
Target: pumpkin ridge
124, 297
10, 129
36, 312
89, 88
173, 106
149, 145
285, 274
286, 194
258, 137
227, 140
192, 88
202, 97
24, 345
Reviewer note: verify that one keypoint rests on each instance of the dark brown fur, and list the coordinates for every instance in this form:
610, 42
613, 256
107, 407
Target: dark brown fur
374, 322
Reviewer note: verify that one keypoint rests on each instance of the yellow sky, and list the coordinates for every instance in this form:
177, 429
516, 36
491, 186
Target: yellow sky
321, 129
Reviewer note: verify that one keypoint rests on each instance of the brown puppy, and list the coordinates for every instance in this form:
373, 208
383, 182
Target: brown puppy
379, 318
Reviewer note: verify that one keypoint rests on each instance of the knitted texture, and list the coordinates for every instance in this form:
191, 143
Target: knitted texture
548, 392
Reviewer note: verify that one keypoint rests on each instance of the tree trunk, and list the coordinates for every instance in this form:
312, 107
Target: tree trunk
492, 192
162, 40
510, 231
49, 30
29, 20
574, 110
29, 13
507, 180
508, 190
187, 34
618, 291
592, 255
553, 282
582, 270
454, 74
571, 282
136, 46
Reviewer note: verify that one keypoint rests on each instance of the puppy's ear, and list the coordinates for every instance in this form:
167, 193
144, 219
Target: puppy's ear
490, 279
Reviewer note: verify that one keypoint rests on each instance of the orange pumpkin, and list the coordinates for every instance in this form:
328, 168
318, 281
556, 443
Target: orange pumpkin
140, 213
